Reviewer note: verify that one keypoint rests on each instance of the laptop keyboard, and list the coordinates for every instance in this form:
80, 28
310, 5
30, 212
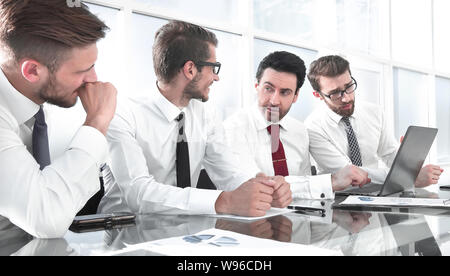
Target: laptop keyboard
365, 190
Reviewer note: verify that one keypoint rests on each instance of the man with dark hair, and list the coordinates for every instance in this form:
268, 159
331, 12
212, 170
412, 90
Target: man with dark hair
174, 47
265, 138
159, 144
48, 52
343, 133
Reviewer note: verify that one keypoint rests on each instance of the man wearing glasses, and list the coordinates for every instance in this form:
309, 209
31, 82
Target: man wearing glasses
159, 144
342, 132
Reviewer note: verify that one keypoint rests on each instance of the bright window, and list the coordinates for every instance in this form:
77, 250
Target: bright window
443, 119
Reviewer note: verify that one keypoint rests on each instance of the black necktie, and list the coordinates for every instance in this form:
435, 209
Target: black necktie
182, 162
355, 154
41, 150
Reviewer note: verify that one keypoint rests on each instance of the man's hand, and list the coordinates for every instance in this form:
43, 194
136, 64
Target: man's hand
282, 195
99, 101
252, 199
349, 176
428, 175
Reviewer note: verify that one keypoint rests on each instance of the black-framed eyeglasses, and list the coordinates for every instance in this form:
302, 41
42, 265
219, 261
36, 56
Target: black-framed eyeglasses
215, 65
336, 96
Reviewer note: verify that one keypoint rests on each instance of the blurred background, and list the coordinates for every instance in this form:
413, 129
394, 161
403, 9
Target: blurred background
398, 50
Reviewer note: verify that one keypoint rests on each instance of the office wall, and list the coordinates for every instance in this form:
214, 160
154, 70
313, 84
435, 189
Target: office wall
398, 50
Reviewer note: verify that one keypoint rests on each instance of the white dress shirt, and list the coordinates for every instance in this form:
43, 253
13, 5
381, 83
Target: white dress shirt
247, 136
43, 203
142, 140
329, 144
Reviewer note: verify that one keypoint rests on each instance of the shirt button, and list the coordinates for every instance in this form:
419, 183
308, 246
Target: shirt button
322, 196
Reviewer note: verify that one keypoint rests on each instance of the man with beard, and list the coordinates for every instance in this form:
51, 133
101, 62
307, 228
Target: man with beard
48, 52
342, 132
159, 144
265, 137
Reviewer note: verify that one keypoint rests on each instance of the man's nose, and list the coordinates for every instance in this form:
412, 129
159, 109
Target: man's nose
275, 99
346, 98
91, 76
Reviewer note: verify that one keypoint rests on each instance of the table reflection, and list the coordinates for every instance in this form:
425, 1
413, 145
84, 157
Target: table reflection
350, 232
277, 228
12, 238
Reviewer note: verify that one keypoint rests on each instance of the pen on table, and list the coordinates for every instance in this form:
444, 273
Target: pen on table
308, 210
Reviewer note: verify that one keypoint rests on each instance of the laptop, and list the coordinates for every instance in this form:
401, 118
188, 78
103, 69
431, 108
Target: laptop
406, 166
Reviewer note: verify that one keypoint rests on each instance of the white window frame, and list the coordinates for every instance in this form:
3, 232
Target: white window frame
382, 65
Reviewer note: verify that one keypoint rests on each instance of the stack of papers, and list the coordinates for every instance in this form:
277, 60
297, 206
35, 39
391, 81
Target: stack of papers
216, 242
396, 202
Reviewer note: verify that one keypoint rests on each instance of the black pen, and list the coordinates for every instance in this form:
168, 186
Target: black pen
308, 210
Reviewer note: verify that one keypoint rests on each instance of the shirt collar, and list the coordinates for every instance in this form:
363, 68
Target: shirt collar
168, 109
22, 108
336, 117
261, 123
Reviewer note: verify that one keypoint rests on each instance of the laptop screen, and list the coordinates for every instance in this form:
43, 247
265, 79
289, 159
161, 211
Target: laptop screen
409, 160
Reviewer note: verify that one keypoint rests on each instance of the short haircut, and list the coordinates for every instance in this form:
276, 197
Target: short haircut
284, 62
327, 66
46, 30
177, 43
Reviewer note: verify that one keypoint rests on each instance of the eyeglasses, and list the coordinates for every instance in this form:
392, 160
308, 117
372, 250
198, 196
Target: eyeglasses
216, 65
336, 96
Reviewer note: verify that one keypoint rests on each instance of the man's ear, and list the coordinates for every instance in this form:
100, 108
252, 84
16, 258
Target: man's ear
33, 71
189, 70
317, 95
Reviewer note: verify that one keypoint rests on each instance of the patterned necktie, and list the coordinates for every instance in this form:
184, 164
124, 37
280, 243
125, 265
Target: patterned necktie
355, 153
278, 155
182, 162
41, 150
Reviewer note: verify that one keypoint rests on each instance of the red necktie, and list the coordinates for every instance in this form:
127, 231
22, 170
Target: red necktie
278, 156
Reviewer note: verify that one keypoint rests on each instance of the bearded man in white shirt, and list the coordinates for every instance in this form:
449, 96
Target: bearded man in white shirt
159, 144
342, 132
258, 133
48, 52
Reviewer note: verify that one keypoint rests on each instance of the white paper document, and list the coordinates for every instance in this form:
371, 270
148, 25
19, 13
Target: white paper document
270, 213
396, 202
216, 242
